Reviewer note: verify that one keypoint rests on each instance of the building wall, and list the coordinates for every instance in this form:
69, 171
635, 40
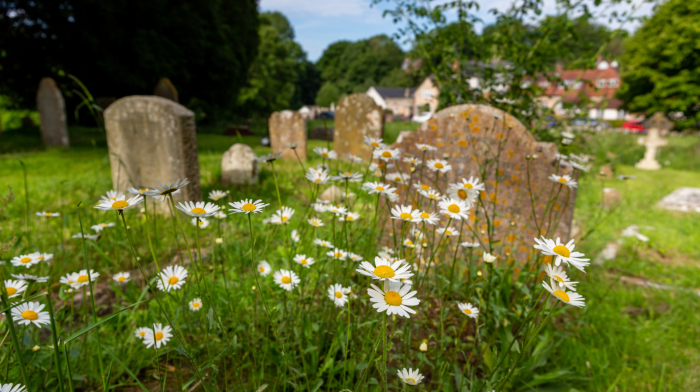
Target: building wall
426, 93
372, 93
400, 106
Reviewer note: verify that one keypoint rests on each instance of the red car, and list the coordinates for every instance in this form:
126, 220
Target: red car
634, 126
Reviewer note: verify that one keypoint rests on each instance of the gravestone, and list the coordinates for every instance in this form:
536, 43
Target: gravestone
611, 197
288, 127
660, 122
682, 199
239, 165
652, 142
165, 89
473, 135
332, 194
52, 114
357, 116
152, 140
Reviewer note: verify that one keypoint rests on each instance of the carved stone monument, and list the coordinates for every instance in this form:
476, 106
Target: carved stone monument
152, 140
357, 116
52, 113
287, 127
658, 124
165, 89
239, 165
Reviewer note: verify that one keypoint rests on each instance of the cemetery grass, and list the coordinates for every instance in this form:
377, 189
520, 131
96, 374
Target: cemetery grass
628, 337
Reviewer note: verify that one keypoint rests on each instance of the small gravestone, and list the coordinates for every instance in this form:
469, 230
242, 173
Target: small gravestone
474, 136
652, 142
152, 140
165, 89
52, 114
239, 165
611, 197
660, 122
332, 194
287, 127
605, 171
356, 117
682, 199
321, 133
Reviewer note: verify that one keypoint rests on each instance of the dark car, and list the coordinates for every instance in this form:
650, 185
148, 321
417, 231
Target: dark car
327, 116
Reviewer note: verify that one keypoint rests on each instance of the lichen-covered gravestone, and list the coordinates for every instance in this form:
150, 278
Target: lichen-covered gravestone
52, 113
166, 89
478, 139
239, 165
287, 127
152, 140
357, 116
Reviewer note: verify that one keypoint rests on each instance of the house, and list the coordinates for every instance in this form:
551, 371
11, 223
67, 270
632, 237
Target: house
397, 100
426, 94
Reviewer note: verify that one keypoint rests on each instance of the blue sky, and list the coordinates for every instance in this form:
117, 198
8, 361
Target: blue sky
318, 23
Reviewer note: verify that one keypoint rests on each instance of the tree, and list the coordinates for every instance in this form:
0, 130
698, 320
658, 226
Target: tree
328, 94
120, 48
661, 63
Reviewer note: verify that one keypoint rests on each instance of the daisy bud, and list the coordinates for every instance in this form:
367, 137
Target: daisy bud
36, 348
478, 273
423, 347
489, 258
219, 241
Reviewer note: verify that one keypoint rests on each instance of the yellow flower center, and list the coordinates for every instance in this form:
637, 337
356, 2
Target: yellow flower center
325, 154
30, 315
121, 204
424, 215
384, 271
143, 190
349, 217
195, 305
406, 216
200, 223
82, 278
397, 178
375, 144
386, 154
48, 213
70, 282
25, 260
469, 186
248, 207
462, 194
438, 165
408, 242
562, 250
159, 335
559, 279
562, 180
304, 262
467, 311
142, 333
173, 280
346, 174
338, 255
11, 291
392, 298
286, 280
411, 381
424, 187
448, 232
380, 188
317, 180
121, 279
198, 211
338, 294
562, 295
453, 208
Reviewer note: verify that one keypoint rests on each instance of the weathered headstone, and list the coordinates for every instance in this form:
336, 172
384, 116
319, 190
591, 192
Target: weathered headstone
471, 136
357, 116
652, 142
332, 194
165, 89
682, 199
605, 171
239, 165
152, 140
611, 197
287, 127
52, 114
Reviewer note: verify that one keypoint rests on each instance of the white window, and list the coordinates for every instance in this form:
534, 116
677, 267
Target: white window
427, 94
600, 83
612, 82
544, 84
577, 85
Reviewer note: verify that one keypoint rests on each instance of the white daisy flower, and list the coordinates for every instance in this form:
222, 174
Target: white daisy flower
429, 217
449, 231
282, 216
410, 376
337, 254
323, 243
430, 194
122, 277
304, 261
348, 195
354, 158
489, 258
562, 252
395, 299
88, 236
406, 281
459, 193
170, 188
338, 210
388, 250
264, 268
350, 217
354, 257
82, 278
386, 153
46, 214
405, 214
139, 191
580, 166
120, 204
558, 277
468, 309
25, 260
440, 165
318, 176
220, 215
286, 279
70, 279
319, 207
325, 153
378, 187
347, 176
12, 388
246, 206
30, 313
111, 196
385, 269
47, 257
198, 209
469, 244
202, 224
454, 208
141, 332
408, 243
295, 236
563, 180
161, 336
571, 297
173, 277
15, 287
101, 226
413, 161
395, 177
195, 305
424, 187
374, 142
27, 277
472, 184
269, 158
425, 147
338, 294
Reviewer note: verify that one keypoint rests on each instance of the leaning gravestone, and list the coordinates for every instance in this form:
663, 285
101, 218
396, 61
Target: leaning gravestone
165, 89
357, 116
287, 127
52, 114
682, 199
471, 136
152, 140
239, 165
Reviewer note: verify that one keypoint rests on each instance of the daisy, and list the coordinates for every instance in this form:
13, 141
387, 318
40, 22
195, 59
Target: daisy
142, 332
88, 236
246, 206
167, 189
354, 257
111, 196
337, 210
424, 187
338, 294
347, 176
405, 213
396, 299
195, 304
562, 252
70, 279
15, 287
101, 226
30, 313
440, 165
173, 277
269, 158
120, 204
563, 180
489, 258
135, 191
472, 184
319, 207
413, 161
385, 269
220, 215
375, 169
469, 244
323, 243
406, 281
459, 193
203, 222
374, 142
264, 268
408, 243
27, 277
378, 187
82, 278
286, 279
468, 309
295, 236
25, 260
395, 177
425, 147
430, 194
571, 297
429, 217
350, 217
580, 166
318, 176
337, 254
198, 209
304, 261
48, 214
159, 338
122, 277
47, 257
454, 208
282, 215
410, 376
325, 153
449, 231
558, 277
386, 153
348, 195
12, 388
354, 158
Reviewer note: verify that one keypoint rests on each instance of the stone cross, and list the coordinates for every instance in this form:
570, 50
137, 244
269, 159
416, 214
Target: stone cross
239, 165
52, 113
357, 116
652, 142
660, 122
152, 140
287, 127
165, 89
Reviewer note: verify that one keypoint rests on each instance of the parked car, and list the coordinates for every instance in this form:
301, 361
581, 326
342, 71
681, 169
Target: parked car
634, 126
421, 118
591, 123
326, 115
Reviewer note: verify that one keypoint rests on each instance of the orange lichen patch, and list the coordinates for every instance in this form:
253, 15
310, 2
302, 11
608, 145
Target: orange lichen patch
556, 207
500, 172
547, 260
439, 144
458, 133
492, 196
522, 248
438, 134
475, 118
510, 153
472, 218
541, 276
433, 127
462, 143
506, 182
516, 189
497, 222
475, 129
499, 136
473, 159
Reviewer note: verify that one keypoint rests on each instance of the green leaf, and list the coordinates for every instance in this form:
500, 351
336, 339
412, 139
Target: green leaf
35, 296
124, 367
488, 358
111, 316
317, 385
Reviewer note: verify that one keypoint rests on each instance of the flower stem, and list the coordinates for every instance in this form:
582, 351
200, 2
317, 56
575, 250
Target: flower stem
54, 336
15, 342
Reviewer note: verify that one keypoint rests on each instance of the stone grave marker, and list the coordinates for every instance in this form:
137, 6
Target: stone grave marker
288, 127
682, 199
660, 122
357, 116
239, 165
165, 89
52, 114
611, 197
152, 140
470, 135
652, 142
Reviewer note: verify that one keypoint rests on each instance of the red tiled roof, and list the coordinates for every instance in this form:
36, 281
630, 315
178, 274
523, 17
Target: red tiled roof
589, 81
